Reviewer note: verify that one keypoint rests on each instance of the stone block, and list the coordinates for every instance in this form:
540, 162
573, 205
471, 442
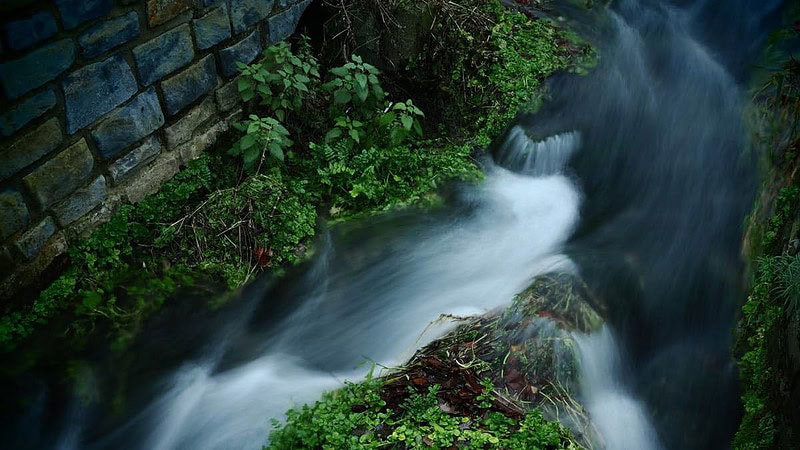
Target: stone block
228, 95
183, 130
197, 145
282, 25
212, 28
109, 34
96, 89
57, 178
245, 13
80, 202
136, 158
21, 34
161, 11
29, 148
76, 12
30, 243
128, 124
149, 181
14, 215
36, 68
244, 51
23, 112
164, 54
189, 85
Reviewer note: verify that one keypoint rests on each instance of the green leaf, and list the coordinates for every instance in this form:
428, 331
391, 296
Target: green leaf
354, 134
418, 128
407, 121
264, 90
361, 92
386, 119
357, 59
341, 96
243, 84
333, 133
339, 71
300, 78
276, 151
250, 155
301, 87
361, 79
247, 141
280, 114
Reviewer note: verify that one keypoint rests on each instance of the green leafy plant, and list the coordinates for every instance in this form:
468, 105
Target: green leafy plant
265, 140
355, 85
282, 80
401, 120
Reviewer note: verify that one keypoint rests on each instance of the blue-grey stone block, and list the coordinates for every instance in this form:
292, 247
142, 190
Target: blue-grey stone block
129, 124
36, 68
20, 114
208, 3
189, 85
244, 51
136, 158
109, 34
14, 214
212, 28
282, 25
164, 54
96, 89
76, 12
245, 13
30, 243
21, 34
57, 178
80, 202
29, 148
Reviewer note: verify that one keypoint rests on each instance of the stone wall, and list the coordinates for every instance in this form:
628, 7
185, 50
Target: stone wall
103, 100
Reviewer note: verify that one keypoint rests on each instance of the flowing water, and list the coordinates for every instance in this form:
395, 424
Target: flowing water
633, 176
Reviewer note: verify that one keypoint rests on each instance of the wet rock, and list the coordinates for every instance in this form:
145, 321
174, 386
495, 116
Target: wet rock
96, 89
109, 34
36, 68
164, 54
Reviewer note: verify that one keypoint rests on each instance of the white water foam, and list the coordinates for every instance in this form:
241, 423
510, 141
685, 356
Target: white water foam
474, 266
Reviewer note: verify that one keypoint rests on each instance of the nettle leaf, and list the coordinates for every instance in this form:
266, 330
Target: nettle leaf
418, 128
247, 141
276, 151
361, 79
265, 90
339, 71
250, 155
341, 96
386, 119
361, 92
333, 133
354, 134
300, 78
407, 121
280, 114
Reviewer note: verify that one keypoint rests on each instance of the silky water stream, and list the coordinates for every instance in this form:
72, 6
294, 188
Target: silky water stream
634, 177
